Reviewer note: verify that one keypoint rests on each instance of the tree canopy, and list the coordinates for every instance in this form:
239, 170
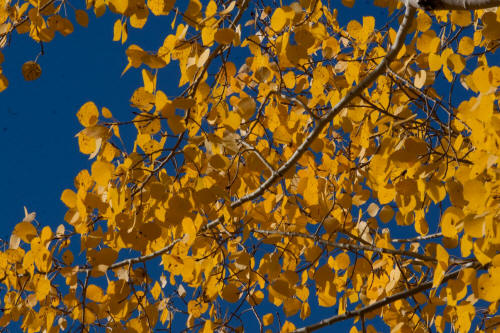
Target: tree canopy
296, 163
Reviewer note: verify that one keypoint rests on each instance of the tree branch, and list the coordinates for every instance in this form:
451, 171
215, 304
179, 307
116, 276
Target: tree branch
385, 301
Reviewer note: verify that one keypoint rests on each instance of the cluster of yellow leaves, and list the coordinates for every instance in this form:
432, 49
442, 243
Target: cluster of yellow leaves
195, 189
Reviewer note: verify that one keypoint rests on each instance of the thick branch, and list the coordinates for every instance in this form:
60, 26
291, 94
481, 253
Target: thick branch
347, 246
385, 301
453, 4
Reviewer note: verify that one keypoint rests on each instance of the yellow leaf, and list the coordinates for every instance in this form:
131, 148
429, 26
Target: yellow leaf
31, 71
386, 194
68, 197
342, 261
94, 293
106, 113
82, 18
224, 36
268, 319
278, 20
149, 81
281, 135
88, 114
26, 231
233, 120
117, 30
291, 306
102, 172
461, 17
42, 288
466, 46
4, 83
160, 7
289, 80
208, 35
488, 285
474, 226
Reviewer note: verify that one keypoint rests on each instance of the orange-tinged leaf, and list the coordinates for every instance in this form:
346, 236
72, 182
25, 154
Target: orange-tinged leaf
94, 293
4, 83
224, 36
231, 293
31, 70
67, 257
117, 30
386, 214
82, 18
268, 319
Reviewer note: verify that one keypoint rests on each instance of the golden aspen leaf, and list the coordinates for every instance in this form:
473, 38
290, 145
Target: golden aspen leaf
386, 214
4, 83
456, 63
88, 114
82, 18
42, 288
176, 124
156, 290
246, 107
94, 293
142, 99
117, 30
291, 306
461, 17
106, 113
67, 257
450, 222
26, 231
149, 81
281, 135
386, 194
224, 36
327, 296
268, 319
125, 33
480, 77
488, 285
118, 6
342, 261
278, 20
475, 226
466, 46
289, 80
160, 7
255, 298
231, 293
435, 62
428, 42
31, 71
102, 172
68, 197
424, 21
208, 35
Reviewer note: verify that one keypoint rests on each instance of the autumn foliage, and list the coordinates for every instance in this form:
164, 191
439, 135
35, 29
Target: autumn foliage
276, 179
